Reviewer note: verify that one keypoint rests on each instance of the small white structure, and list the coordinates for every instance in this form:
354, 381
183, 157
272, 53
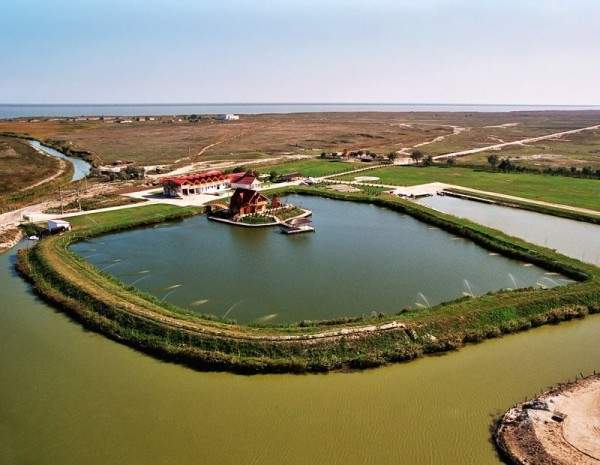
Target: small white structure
228, 117
58, 224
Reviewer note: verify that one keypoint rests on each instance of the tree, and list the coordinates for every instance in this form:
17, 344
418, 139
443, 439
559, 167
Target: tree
450, 161
492, 160
416, 156
506, 165
428, 161
392, 156
273, 175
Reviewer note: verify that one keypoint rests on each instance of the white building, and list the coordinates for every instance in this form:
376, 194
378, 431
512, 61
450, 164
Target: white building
244, 181
228, 117
58, 225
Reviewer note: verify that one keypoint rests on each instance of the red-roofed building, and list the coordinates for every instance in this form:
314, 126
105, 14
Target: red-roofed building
208, 182
247, 180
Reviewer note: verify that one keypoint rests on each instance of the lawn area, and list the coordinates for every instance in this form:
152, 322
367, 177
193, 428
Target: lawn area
124, 217
584, 193
310, 167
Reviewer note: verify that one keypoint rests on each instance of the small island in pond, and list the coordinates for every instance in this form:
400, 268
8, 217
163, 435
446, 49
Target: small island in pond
249, 207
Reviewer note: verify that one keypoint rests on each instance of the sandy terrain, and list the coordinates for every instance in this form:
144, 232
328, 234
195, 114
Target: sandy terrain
530, 433
529, 140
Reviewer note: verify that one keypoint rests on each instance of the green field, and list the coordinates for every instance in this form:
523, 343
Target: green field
124, 217
310, 167
584, 193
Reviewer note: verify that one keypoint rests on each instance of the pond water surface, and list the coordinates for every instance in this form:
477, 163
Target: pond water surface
575, 239
362, 259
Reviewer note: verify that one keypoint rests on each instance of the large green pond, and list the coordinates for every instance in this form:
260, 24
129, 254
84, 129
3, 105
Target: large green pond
362, 259
72, 397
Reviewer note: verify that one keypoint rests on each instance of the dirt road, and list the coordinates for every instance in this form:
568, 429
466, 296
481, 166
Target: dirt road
556, 135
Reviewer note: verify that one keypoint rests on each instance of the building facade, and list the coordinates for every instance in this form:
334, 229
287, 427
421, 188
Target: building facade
247, 201
210, 182
244, 181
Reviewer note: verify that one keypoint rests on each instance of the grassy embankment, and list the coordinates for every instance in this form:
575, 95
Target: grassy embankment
125, 314
582, 193
21, 167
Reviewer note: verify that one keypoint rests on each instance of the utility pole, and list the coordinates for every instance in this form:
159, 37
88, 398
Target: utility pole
78, 199
61, 200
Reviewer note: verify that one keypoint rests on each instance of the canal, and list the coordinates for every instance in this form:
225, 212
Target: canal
572, 238
81, 168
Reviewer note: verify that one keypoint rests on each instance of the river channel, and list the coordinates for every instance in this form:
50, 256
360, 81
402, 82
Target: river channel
81, 168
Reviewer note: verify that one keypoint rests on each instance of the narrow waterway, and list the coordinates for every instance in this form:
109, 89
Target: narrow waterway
70, 397
81, 168
572, 238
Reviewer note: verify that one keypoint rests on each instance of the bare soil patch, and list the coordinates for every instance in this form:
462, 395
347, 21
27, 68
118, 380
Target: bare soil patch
561, 426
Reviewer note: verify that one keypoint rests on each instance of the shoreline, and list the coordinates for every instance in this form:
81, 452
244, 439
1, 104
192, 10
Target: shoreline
560, 426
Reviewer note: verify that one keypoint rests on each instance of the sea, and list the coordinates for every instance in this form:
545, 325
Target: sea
49, 110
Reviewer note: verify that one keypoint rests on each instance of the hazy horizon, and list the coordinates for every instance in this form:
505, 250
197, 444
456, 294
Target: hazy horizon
455, 52
282, 103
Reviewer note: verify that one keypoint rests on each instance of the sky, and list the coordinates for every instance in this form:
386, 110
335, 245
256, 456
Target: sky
388, 51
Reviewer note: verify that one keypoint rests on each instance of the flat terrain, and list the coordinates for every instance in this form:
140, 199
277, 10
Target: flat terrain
169, 140
579, 150
584, 193
26, 175
310, 167
22, 167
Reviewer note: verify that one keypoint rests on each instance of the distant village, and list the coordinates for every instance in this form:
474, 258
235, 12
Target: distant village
132, 119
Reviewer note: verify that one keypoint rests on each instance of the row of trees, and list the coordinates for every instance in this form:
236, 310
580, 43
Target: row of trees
506, 165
